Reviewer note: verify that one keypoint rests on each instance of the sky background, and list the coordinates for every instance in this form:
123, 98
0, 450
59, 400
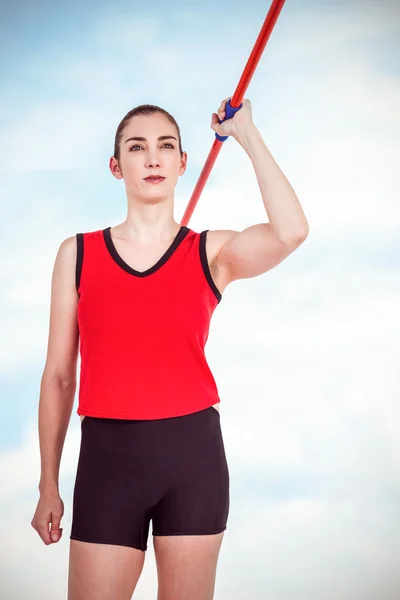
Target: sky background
305, 356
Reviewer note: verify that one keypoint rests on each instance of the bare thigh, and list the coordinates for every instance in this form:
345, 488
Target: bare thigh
187, 565
103, 571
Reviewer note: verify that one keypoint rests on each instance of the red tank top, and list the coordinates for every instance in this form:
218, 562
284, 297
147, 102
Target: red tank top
142, 334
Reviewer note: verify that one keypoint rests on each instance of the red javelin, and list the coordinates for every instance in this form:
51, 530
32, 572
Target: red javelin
234, 104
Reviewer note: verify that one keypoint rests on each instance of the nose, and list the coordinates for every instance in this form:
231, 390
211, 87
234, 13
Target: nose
152, 163
152, 159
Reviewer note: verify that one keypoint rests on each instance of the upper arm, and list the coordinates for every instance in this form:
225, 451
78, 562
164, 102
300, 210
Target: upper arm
253, 251
63, 341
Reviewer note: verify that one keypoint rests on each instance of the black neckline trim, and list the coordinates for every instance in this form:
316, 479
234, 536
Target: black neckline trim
180, 236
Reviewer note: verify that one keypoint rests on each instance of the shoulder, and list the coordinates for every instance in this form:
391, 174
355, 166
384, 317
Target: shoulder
70, 250
215, 240
67, 249
71, 244
65, 260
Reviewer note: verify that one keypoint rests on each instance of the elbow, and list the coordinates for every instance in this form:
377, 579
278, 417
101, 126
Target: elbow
297, 238
302, 233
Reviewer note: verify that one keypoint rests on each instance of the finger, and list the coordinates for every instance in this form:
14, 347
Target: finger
56, 534
214, 122
55, 530
44, 533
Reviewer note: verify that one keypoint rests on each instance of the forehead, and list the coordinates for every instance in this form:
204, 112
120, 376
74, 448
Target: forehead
149, 126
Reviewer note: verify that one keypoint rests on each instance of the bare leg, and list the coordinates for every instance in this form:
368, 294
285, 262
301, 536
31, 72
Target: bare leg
103, 571
186, 566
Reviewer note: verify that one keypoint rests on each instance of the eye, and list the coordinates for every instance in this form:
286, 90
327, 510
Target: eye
137, 146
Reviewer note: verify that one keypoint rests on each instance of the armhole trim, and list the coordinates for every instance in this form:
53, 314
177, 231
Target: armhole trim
79, 260
206, 267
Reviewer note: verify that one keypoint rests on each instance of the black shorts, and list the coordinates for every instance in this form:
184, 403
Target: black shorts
171, 471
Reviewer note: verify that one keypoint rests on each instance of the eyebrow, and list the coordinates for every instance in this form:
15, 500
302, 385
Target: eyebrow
143, 139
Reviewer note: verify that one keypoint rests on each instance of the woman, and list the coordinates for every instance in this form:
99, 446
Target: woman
139, 296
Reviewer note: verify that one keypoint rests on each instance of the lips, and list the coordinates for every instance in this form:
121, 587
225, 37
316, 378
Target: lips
154, 178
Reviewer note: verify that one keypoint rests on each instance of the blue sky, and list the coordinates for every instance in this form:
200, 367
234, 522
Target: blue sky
305, 356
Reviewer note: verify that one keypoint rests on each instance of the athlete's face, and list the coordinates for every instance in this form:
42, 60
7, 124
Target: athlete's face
144, 157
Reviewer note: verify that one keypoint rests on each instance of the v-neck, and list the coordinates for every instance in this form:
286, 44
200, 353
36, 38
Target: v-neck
182, 233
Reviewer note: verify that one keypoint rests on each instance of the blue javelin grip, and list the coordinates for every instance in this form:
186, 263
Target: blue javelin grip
229, 112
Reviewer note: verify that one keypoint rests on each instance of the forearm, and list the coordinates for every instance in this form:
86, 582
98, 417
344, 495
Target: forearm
55, 407
281, 203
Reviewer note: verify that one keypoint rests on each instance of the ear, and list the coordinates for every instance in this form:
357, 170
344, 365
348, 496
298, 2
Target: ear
183, 163
115, 168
